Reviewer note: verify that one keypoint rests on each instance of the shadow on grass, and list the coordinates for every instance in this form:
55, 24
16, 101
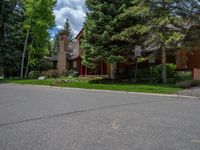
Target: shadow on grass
128, 82
13, 80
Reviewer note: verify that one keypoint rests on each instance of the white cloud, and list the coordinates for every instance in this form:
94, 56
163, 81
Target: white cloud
74, 10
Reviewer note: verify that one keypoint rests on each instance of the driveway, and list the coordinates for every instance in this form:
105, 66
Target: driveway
194, 91
41, 118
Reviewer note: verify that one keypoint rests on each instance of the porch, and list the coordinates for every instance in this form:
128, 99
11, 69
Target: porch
102, 69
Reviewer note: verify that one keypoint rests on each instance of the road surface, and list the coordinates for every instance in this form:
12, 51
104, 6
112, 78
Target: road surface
41, 118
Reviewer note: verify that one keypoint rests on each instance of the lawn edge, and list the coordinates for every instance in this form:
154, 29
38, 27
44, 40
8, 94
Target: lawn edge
109, 91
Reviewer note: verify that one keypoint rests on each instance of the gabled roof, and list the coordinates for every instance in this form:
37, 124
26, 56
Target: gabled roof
79, 33
53, 58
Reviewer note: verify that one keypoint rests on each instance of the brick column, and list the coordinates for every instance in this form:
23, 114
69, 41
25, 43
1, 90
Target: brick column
63, 64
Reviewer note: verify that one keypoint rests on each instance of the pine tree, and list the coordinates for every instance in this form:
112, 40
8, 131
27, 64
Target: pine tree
11, 36
99, 28
55, 45
159, 23
68, 29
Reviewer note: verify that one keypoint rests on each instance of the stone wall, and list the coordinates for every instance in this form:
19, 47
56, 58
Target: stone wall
63, 64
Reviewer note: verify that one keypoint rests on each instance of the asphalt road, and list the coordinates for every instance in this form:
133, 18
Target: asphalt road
40, 118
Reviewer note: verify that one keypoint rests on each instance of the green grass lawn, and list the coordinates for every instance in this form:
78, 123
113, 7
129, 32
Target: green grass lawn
85, 84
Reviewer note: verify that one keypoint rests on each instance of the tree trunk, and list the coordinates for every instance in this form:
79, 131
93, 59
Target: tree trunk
28, 61
27, 66
113, 71
24, 53
164, 69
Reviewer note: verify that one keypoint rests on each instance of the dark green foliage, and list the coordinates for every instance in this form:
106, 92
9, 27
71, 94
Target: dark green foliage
38, 21
73, 73
34, 75
13, 30
99, 28
40, 63
160, 25
171, 71
51, 74
1, 71
192, 39
11, 36
183, 76
145, 73
68, 29
55, 45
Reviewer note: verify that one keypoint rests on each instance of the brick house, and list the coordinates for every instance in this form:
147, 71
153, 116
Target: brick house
190, 61
69, 58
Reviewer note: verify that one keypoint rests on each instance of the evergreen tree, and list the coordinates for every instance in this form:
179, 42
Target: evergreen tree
68, 29
55, 45
99, 28
11, 36
159, 23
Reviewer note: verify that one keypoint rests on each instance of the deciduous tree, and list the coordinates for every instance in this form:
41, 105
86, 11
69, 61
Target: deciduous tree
39, 19
160, 23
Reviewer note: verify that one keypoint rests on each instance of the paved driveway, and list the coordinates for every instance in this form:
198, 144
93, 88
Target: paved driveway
194, 91
39, 118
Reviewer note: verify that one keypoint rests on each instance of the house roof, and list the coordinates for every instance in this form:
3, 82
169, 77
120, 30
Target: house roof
53, 58
79, 33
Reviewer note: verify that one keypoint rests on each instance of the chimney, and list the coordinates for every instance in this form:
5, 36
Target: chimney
63, 64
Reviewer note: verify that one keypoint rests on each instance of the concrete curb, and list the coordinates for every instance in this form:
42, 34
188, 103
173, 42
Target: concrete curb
110, 91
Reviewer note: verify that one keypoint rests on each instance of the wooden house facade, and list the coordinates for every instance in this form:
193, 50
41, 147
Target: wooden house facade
70, 58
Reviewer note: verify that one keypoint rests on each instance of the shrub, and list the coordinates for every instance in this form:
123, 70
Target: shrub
145, 73
183, 76
34, 75
63, 74
73, 73
171, 80
170, 71
50, 74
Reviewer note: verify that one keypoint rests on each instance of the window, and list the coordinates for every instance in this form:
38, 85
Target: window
74, 64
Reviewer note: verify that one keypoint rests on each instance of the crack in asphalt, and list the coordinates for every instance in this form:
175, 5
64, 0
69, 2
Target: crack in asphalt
73, 112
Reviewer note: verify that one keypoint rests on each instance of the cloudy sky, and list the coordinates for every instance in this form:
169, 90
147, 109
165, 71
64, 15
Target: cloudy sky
74, 10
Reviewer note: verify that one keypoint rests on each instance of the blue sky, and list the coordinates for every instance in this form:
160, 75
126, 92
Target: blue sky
74, 10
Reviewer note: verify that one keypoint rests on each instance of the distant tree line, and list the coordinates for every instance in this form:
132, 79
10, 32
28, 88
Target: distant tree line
24, 35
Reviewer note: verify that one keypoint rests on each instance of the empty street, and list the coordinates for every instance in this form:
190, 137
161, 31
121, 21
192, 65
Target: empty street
42, 118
